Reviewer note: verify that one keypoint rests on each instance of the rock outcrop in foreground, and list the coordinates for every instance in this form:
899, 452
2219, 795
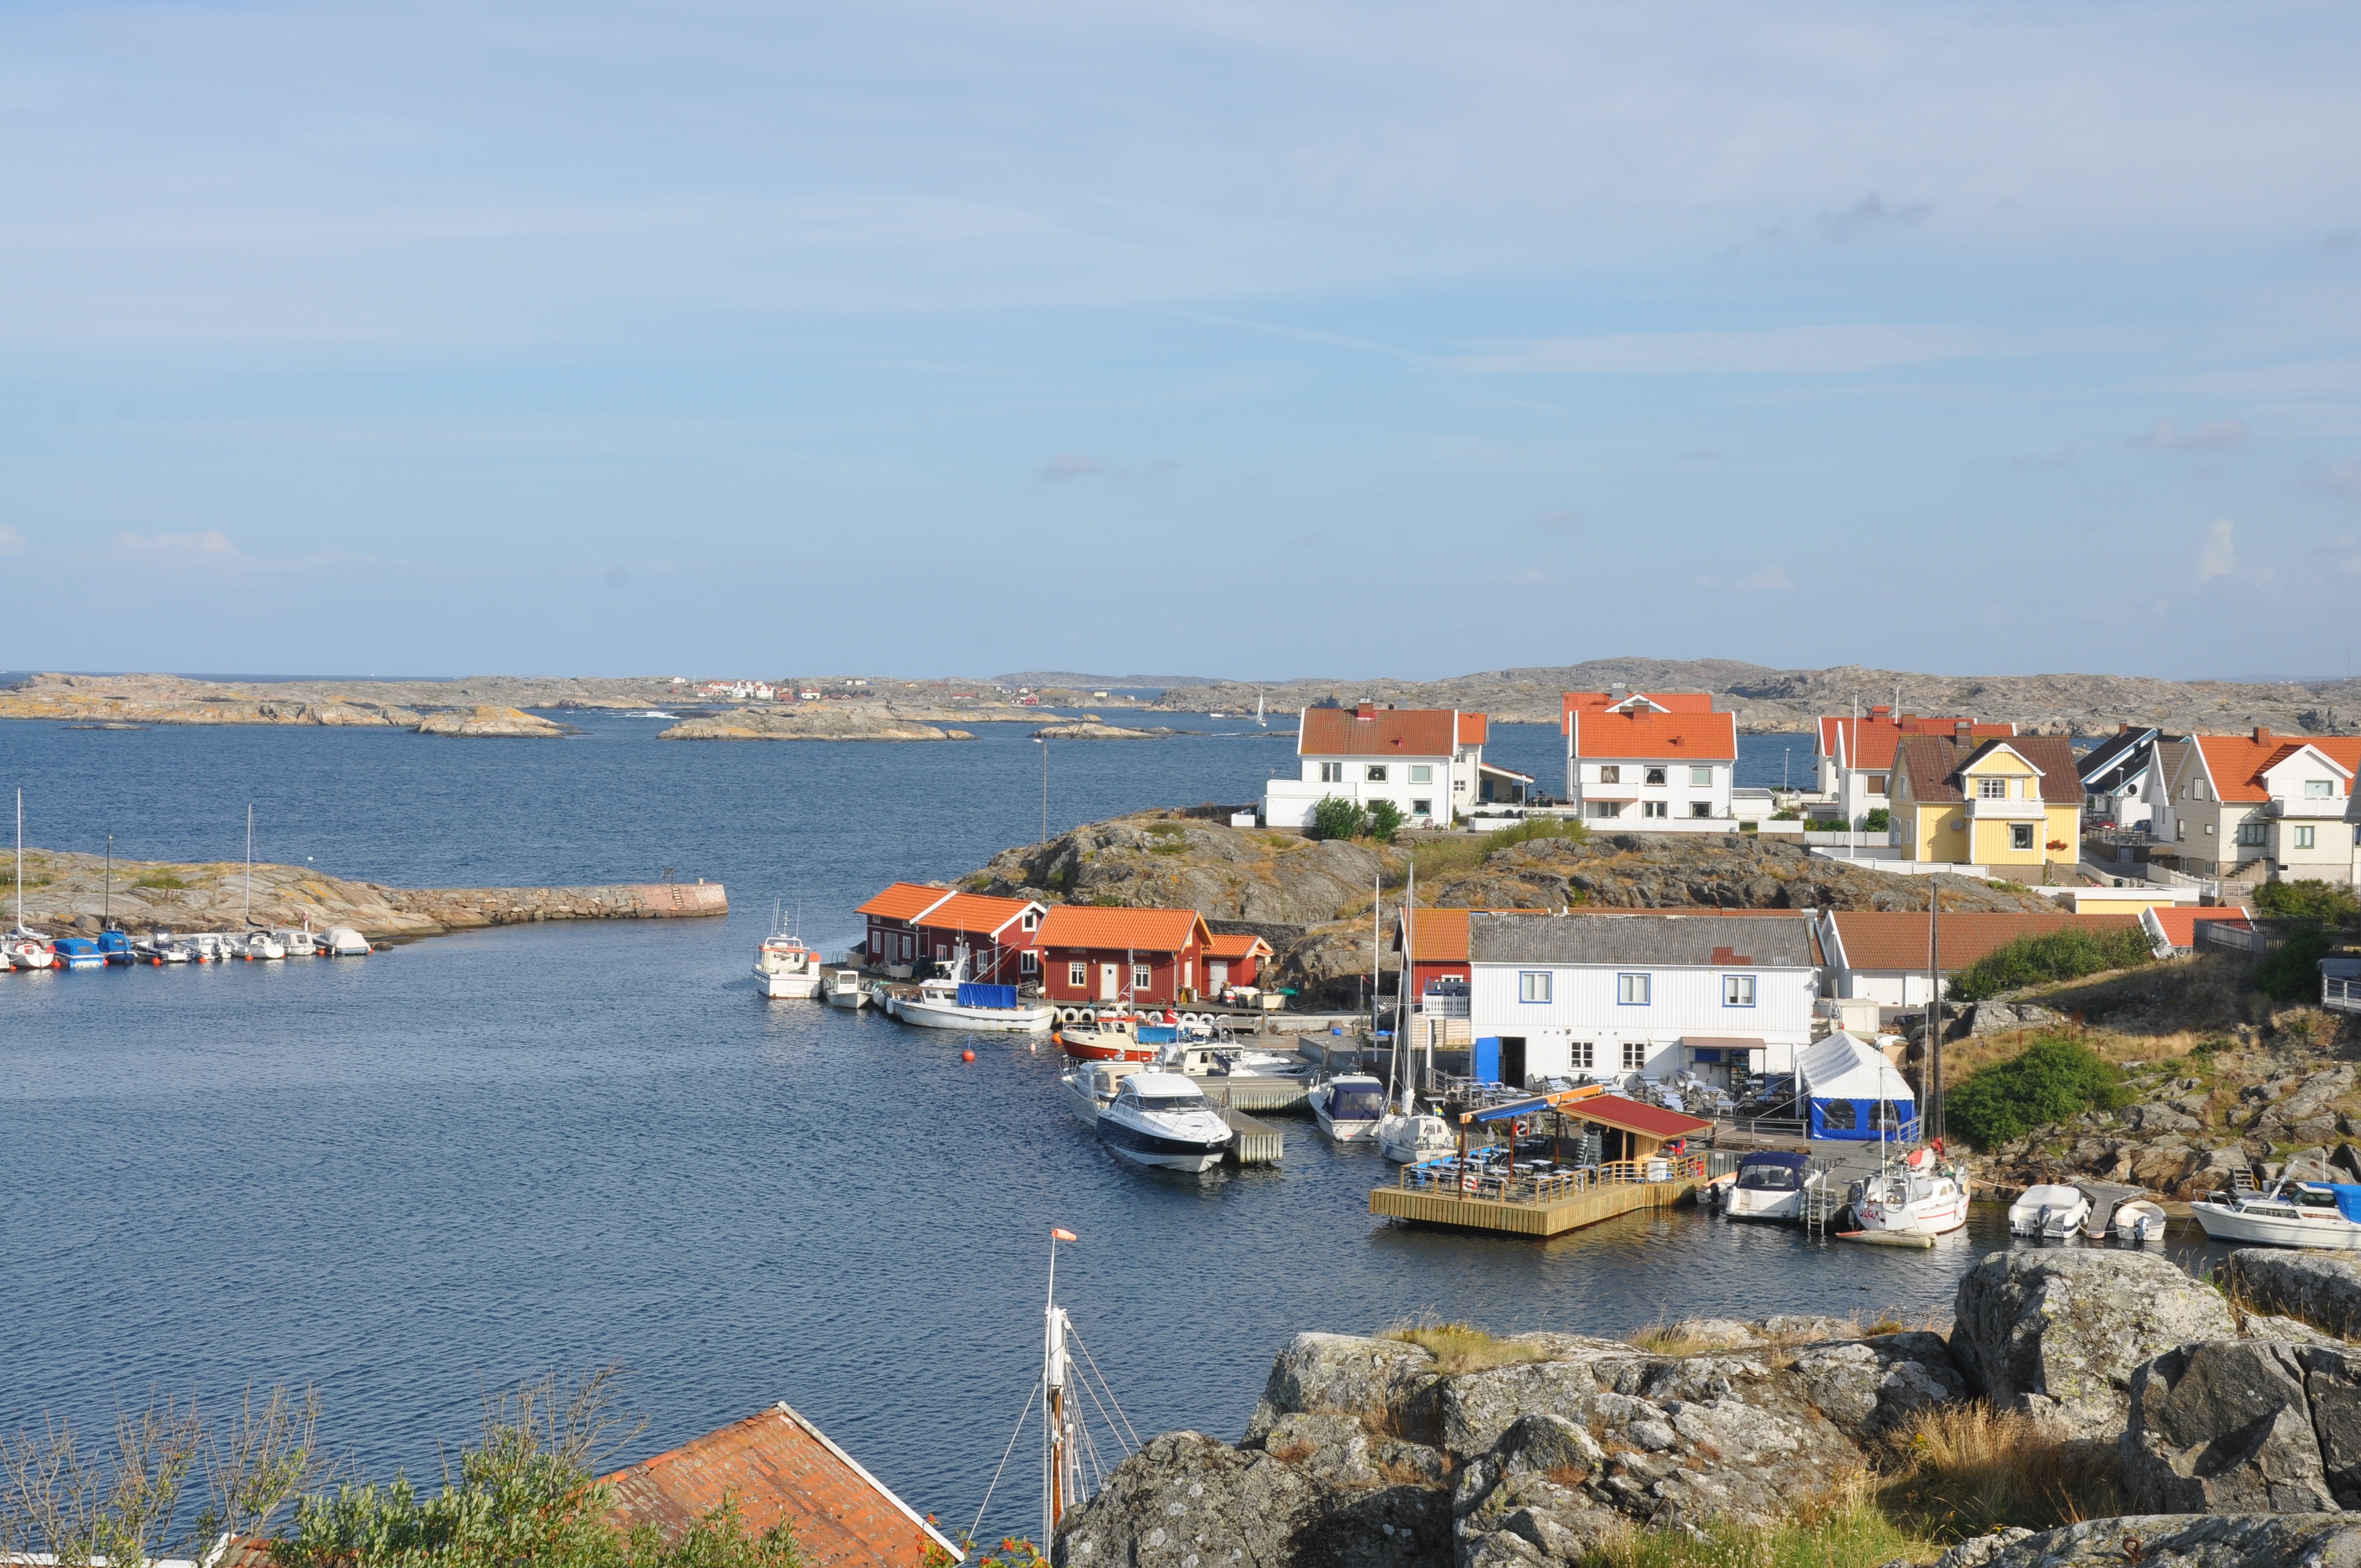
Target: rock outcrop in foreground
2172, 1540
70, 893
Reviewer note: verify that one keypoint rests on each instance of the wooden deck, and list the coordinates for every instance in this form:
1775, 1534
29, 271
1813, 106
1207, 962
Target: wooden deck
1443, 1204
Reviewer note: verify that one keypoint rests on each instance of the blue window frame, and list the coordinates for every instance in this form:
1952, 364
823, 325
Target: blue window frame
1533, 985
1737, 991
1631, 990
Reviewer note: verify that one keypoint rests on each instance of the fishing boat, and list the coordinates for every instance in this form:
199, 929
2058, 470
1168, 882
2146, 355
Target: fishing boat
842, 988
2048, 1210
1162, 1120
1109, 1039
2292, 1213
1770, 1185
1348, 1108
1910, 1200
784, 967
953, 1002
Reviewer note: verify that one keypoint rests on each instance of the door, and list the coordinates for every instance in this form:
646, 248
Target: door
1217, 974
1512, 1060
1110, 983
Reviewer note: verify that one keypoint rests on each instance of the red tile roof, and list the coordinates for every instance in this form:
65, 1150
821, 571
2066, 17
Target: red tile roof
1673, 702
1896, 939
2178, 923
2237, 763
1679, 736
1236, 945
1934, 763
1868, 742
904, 901
776, 1465
975, 914
1648, 1121
1140, 931
1387, 731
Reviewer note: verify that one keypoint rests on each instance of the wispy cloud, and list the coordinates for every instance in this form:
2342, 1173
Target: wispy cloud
212, 541
11, 542
1070, 466
2213, 435
1770, 579
1778, 351
1873, 214
2218, 559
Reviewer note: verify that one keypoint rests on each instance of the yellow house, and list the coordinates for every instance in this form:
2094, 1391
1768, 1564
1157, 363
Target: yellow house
2014, 801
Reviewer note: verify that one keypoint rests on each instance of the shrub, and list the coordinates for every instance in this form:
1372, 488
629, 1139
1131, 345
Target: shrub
2325, 902
1878, 821
1385, 820
2054, 1078
2292, 973
1337, 817
160, 879
2054, 955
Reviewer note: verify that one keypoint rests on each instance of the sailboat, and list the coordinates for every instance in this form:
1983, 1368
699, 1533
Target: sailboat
251, 943
1407, 1135
1260, 723
24, 947
1915, 1196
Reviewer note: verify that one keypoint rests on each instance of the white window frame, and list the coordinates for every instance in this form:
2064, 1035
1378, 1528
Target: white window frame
1143, 977
1634, 990
1331, 773
1533, 985
1701, 777
1424, 808
1029, 921
1635, 1056
2020, 836
1655, 809
1028, 962
1654, 776
1700, 809
1078, 974
2318, 789
1422, 773
1581, 1055
1738, 990
1992, 789
1373, 773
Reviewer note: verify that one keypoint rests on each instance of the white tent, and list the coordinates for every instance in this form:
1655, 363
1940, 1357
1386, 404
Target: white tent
1851, 1090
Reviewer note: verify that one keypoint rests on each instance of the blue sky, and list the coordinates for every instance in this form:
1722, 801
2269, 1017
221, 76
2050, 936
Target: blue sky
1250, 339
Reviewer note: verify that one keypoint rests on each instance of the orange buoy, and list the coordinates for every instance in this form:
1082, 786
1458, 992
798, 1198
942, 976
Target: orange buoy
967, 1056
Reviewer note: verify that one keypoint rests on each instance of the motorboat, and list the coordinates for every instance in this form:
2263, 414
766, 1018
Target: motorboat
261, 945
842, 988
1348, 1108
1233, 1064
2050, 1211
1407, 1137
784, 967
2292, 1213
1091, 1087
1910, 1200
343, 942
2139, 1222
159, 948
209, 947
1163, 1120
115, 944
300, 944
1771, 1184
965, 1005
78, 953
1110, 1038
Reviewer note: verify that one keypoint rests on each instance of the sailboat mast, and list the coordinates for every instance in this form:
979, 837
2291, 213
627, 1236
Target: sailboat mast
250, 862
20, 859
1930, 1115
1403, 990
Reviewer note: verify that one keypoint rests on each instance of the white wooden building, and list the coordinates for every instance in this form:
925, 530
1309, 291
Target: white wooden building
1429, 761
1651, 761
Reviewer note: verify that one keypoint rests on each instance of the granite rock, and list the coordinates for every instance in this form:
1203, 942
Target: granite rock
2224, 1427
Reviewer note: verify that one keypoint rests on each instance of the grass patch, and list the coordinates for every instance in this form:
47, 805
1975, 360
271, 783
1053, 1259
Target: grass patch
1961, 1470
1668, 1339
1851, 1532
162, 880
1463, 1347
1436, 857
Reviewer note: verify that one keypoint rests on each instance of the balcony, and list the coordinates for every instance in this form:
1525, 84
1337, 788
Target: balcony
2324, 809
2011, 810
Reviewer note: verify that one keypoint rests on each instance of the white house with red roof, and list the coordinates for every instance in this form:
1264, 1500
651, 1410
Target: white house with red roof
2275, 806
1428, 761
1855, 763
1661, 760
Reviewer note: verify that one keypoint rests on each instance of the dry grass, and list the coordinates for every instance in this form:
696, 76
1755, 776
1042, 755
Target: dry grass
1848, 1531
1462, 1347
1960, 1470
1668, 1339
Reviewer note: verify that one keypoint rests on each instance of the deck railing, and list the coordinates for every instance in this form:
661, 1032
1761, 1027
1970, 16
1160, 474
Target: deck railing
1537, 1182
2339, 995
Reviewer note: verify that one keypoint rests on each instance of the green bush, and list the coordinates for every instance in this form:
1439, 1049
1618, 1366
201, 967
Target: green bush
1878, 821
2292, 973
2054, 1080
2325, 902
2055, 955
1337, 817
1385, 820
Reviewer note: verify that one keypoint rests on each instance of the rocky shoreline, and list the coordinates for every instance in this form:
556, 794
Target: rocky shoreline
69, 893
2225, 1436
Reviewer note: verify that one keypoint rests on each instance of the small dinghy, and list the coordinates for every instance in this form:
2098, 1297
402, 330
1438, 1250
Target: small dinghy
2049, 1211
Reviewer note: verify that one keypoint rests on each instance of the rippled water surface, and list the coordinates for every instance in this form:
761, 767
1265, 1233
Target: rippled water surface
414, 1177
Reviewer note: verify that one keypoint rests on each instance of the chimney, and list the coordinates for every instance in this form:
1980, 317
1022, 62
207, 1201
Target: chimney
2262, 735
1879, 713
1367, 710
1616, 693
1963, 731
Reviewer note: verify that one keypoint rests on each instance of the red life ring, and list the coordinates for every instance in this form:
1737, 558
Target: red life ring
1519, 1127
1468, 1179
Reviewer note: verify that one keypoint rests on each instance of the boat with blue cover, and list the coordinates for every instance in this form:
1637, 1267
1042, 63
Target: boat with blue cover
1770, 1185
966, 1004
78, 953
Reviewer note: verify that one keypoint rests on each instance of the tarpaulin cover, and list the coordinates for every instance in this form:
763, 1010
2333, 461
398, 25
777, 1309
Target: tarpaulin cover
1158, 1034
1782, 1158
2348, 1198
972, 994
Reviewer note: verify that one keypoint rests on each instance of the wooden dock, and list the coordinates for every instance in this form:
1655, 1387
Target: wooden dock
1251, 1142
1550, 1209
1261, 1094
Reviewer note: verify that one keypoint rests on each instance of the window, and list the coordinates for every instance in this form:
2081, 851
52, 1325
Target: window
1656, 775
1579, 1056
1631, 990
1375, 772
1533, 985
1992, 789
1700, 809
1422, 773
1078, 974
1700, 778
1635, 1055
2316, 789
1607, 808
2198, 789
1028, 962
2250, 835
1029, 921
2020, 834
1142, 977
2303, 837
1611, 773
1737, 991
2209, 829
1421, 808
1331, 773
2181, 832
1837, 1115
1877, 784
1655, 809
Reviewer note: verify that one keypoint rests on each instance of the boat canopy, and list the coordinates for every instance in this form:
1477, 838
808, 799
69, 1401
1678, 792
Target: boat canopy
1786, 1159
2348, 1197
972, 994
1853, 1091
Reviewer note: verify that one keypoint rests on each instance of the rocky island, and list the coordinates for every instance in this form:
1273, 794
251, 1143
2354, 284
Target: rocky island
817, 721
70, 892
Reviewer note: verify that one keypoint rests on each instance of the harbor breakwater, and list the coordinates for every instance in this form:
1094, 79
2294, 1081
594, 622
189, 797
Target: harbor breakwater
78, 892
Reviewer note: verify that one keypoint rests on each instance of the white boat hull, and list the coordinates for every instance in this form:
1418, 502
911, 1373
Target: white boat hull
799, 987
976, 1020
1784, 1206
1925, 1217
2328, 1229
1345, 1132
1406, 1140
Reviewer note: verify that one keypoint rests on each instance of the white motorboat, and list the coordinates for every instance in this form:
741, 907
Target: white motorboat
2050, 1211
1349, 1108
1770, 1185
963, 1004
1163, 1120
2293, 1213
784, 967
210, 947
1091, 1087
300, 944
343, 942
1407, 1137
2139, 1222
1911, 1200
842, 988
261, 945
1231, 1064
